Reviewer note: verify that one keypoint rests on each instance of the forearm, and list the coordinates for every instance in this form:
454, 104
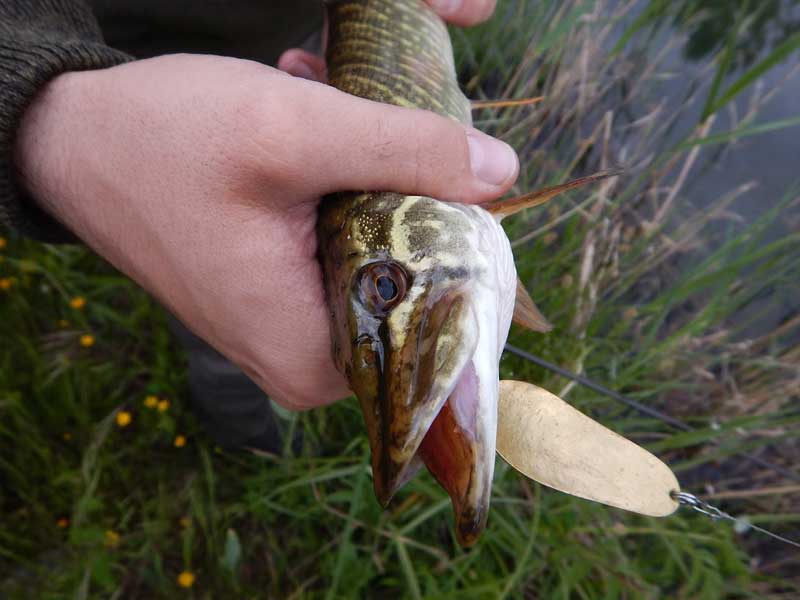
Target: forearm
39, 40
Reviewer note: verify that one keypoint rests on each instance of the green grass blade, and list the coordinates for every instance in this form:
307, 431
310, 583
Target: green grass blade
777, 56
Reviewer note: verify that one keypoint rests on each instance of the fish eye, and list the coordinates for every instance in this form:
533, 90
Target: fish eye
386, 288
382, 286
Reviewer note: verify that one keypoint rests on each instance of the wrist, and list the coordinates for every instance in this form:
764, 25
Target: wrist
44, 152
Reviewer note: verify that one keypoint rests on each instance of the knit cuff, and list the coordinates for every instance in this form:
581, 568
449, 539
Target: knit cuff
24, 70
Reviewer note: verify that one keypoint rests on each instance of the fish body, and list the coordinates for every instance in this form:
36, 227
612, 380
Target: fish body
421, 292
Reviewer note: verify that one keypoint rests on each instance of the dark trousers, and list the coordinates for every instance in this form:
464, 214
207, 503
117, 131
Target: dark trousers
234, 411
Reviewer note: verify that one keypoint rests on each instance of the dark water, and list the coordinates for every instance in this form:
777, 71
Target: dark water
771, 160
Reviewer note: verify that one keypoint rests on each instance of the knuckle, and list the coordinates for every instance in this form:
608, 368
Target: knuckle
437, 157
235, 112
417, 160
246, 111
408, 147
264, 130
379, 142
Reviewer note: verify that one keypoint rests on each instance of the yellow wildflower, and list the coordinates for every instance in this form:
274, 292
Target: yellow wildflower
2, 243
180, 441
185, 522
78, 302
87, 340
63, 522
163, 405
124, 418
186, 579
111, 539
151, 401
6, 283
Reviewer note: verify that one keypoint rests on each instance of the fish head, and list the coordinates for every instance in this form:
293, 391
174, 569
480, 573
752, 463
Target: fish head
421, 295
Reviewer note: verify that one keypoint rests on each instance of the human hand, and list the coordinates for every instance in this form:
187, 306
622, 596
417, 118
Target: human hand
200, 176
463, 12
301, 63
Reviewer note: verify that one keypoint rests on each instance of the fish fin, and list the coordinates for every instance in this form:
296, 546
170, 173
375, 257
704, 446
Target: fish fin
479, 104
526, 314
504, 208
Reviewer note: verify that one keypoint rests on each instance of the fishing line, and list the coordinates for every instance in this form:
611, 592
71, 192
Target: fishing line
693, 502
683, 498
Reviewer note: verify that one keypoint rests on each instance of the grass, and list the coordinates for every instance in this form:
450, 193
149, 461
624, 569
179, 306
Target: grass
684, 308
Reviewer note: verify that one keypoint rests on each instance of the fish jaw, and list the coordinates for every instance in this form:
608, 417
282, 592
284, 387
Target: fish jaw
459, 449
422, 368
438, 407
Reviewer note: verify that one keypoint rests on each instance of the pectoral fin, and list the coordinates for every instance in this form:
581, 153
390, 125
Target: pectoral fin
526, 314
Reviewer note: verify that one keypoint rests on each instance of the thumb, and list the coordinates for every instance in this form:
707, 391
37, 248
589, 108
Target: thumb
358, 144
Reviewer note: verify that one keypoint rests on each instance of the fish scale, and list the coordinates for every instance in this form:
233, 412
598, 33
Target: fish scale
396, 52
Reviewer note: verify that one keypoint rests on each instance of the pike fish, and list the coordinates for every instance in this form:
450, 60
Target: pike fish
421, 292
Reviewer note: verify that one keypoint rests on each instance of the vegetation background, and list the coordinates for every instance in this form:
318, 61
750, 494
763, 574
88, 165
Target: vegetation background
676, 284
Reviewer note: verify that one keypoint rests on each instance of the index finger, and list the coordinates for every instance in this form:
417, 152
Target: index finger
463, 12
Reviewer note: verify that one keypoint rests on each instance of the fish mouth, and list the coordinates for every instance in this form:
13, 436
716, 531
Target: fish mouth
434, 411
454, 451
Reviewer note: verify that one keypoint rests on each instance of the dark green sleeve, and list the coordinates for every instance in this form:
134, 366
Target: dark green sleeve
39, 39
